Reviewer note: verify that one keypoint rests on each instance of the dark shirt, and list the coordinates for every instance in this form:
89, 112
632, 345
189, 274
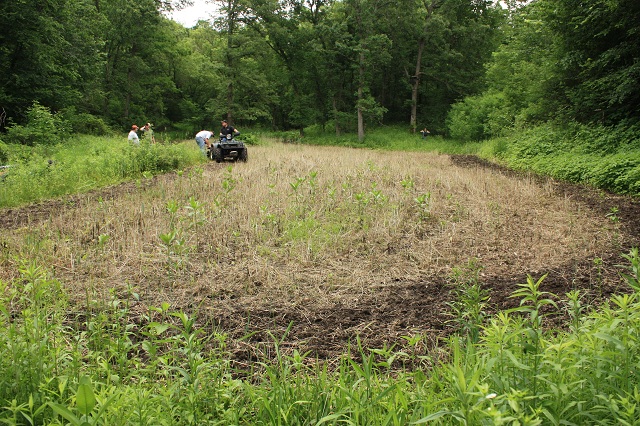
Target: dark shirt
228, 130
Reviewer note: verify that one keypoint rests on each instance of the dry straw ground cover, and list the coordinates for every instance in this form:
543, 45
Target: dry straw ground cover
329, 243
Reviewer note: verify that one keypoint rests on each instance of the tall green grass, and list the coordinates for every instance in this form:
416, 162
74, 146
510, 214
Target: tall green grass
384, 137
84, 163
99, 366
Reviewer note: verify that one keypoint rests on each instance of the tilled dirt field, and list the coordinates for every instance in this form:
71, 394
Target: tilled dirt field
395, 293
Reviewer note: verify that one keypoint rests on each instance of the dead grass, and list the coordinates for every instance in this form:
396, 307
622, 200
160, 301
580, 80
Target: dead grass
348, 252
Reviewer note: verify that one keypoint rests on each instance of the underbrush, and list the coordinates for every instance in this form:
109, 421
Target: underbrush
84, 163
113, 364
603, 157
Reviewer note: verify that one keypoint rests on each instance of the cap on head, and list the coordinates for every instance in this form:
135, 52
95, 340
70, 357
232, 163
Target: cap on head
134, 127
224, 121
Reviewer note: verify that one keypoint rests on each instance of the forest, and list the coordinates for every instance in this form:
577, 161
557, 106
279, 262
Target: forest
467, 69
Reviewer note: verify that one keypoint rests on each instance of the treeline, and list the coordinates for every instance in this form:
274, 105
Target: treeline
470, 69
566, 61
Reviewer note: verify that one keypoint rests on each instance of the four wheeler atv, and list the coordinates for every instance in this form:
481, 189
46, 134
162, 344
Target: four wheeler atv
228, 148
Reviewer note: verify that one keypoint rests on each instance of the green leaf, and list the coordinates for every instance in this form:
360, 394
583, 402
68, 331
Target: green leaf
611, 339
85, 399
433, 416
159, 328
64, 412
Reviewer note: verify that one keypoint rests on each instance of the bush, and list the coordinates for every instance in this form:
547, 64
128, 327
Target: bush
87, 124
605, 140
249, 139
42, 128
479, 117
604, 157
4, 153
618, 173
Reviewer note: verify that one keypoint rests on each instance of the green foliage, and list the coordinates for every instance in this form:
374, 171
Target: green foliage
470, 300
478, 117
4, 153
250, 139
42, 128
603, 157
86, 124
560, 61
86, 162
600, 57
28, 341
632, 274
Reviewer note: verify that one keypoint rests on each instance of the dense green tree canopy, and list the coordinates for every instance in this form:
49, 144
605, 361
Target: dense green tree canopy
289, 64
559, 60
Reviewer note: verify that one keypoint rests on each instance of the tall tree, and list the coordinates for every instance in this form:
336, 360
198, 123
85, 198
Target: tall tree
601, 63
427, 10
229, 24
289, 29
371, 49
132, 30
47, 54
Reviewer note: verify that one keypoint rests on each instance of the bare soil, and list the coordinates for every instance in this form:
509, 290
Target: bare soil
386, 305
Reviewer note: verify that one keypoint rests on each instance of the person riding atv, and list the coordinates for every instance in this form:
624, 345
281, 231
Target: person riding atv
227, 130
228, 147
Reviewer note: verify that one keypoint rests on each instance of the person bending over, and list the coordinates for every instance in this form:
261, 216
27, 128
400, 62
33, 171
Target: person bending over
202, 139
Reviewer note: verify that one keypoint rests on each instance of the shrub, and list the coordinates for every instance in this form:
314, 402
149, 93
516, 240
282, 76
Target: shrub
250, 139
42, 128
86, 123
479, 117
4, 153
618, 173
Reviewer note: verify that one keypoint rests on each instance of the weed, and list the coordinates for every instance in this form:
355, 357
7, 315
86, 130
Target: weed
103, 239
470, 300
613, 215
85, 403
407, 184
423, 202
632, 276
229, 182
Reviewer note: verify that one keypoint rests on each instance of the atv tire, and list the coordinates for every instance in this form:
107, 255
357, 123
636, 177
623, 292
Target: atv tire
216, 154
243, 155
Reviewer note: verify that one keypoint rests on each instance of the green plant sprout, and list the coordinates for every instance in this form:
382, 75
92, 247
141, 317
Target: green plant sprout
85, 403
423, 202
613, 214
228, 181
103, 239
407, 183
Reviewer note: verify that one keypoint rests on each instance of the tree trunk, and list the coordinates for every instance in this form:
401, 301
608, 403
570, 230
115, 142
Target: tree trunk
360, 96
335, 116
415, 84
415, 78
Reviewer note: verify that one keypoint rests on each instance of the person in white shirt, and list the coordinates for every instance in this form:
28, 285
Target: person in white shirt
133, 136
202, 139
